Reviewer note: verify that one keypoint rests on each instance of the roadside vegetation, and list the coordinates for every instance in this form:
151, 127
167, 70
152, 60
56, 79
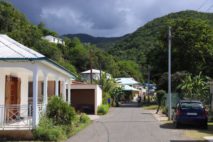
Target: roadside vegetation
199, 134
59, 122
103, 109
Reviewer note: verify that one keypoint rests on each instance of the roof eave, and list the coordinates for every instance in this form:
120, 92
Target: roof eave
40, 59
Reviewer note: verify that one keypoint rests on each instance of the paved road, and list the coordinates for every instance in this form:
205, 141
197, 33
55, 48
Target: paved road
128, 124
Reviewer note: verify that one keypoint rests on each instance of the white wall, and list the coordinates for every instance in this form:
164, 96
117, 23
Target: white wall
24, 95
2, 96
24, 90
2, 88
99, 96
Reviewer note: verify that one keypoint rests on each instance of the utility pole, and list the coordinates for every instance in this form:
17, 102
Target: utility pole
169, 73
90, 59
148, 83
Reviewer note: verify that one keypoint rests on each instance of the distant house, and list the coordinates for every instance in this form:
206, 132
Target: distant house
27, 80
127, 81
53, 39
128, 85
95, 74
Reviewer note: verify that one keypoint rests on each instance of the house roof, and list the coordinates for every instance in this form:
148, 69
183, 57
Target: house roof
129, 88
126, 81
50, 36
93, 71
13, 50
10, 48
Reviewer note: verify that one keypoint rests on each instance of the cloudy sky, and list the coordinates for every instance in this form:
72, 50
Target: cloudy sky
102, 17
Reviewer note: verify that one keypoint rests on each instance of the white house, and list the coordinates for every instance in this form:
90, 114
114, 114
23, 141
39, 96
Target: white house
95, 74
129, 84
19, 67
126, 81
53, 39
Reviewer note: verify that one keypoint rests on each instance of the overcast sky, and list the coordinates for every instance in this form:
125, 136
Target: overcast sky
102, 17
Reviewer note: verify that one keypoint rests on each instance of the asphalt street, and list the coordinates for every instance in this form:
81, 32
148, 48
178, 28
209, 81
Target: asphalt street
128, 124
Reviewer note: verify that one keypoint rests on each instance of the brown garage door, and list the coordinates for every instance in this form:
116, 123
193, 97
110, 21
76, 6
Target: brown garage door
83, 100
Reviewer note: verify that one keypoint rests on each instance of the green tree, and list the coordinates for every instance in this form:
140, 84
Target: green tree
130, 69
160, 94
115, 95
195, 87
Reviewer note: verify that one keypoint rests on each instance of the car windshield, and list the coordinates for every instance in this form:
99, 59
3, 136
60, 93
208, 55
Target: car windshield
194, 105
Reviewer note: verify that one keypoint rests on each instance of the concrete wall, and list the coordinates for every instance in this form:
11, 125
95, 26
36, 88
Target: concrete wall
2, 88
99, 96
24, 95
2, 96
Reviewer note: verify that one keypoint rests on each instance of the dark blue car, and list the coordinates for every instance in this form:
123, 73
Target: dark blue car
190, 112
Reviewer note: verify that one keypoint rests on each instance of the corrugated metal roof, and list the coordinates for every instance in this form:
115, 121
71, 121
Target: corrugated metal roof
10, 48
126, 81
13, 50
129, 88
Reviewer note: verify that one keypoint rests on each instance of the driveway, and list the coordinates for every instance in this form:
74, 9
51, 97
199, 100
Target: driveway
128, 124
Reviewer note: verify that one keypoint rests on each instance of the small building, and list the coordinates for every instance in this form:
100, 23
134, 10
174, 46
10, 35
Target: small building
96, 74
26, 79
86, 97
127, 81
128, 85
53, 39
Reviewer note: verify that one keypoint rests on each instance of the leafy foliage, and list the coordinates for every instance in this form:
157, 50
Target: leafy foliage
116, 95
103, 109
192, 44
60, 112
195, 87
47, 131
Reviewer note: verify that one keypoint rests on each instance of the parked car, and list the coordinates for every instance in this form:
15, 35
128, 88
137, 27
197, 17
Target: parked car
190, 112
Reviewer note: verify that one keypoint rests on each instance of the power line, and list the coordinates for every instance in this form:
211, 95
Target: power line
210, 8
202, 5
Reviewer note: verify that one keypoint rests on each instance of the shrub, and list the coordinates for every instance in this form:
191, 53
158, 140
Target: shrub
60, 112
103, 109
160, 95
47, 131
106, 96
164, 110
84, 118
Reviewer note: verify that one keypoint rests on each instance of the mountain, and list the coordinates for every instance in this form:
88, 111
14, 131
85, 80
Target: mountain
137, 45
102, 42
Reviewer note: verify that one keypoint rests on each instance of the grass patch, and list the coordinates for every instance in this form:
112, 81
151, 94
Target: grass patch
78, 128
199, 134
150, 107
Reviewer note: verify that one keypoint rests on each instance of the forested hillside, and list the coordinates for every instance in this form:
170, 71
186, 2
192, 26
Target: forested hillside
192, 44
130, 55
104, 43
74, 55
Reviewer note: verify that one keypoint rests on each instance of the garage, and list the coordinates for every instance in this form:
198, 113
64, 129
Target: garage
86, 98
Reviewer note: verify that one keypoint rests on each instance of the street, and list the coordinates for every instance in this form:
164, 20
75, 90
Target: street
128, 124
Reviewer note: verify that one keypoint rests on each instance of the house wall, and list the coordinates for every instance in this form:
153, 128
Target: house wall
24, 95
2, 96
2, 88
99, 96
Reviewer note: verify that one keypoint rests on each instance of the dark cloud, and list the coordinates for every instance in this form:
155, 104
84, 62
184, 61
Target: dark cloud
102, 17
